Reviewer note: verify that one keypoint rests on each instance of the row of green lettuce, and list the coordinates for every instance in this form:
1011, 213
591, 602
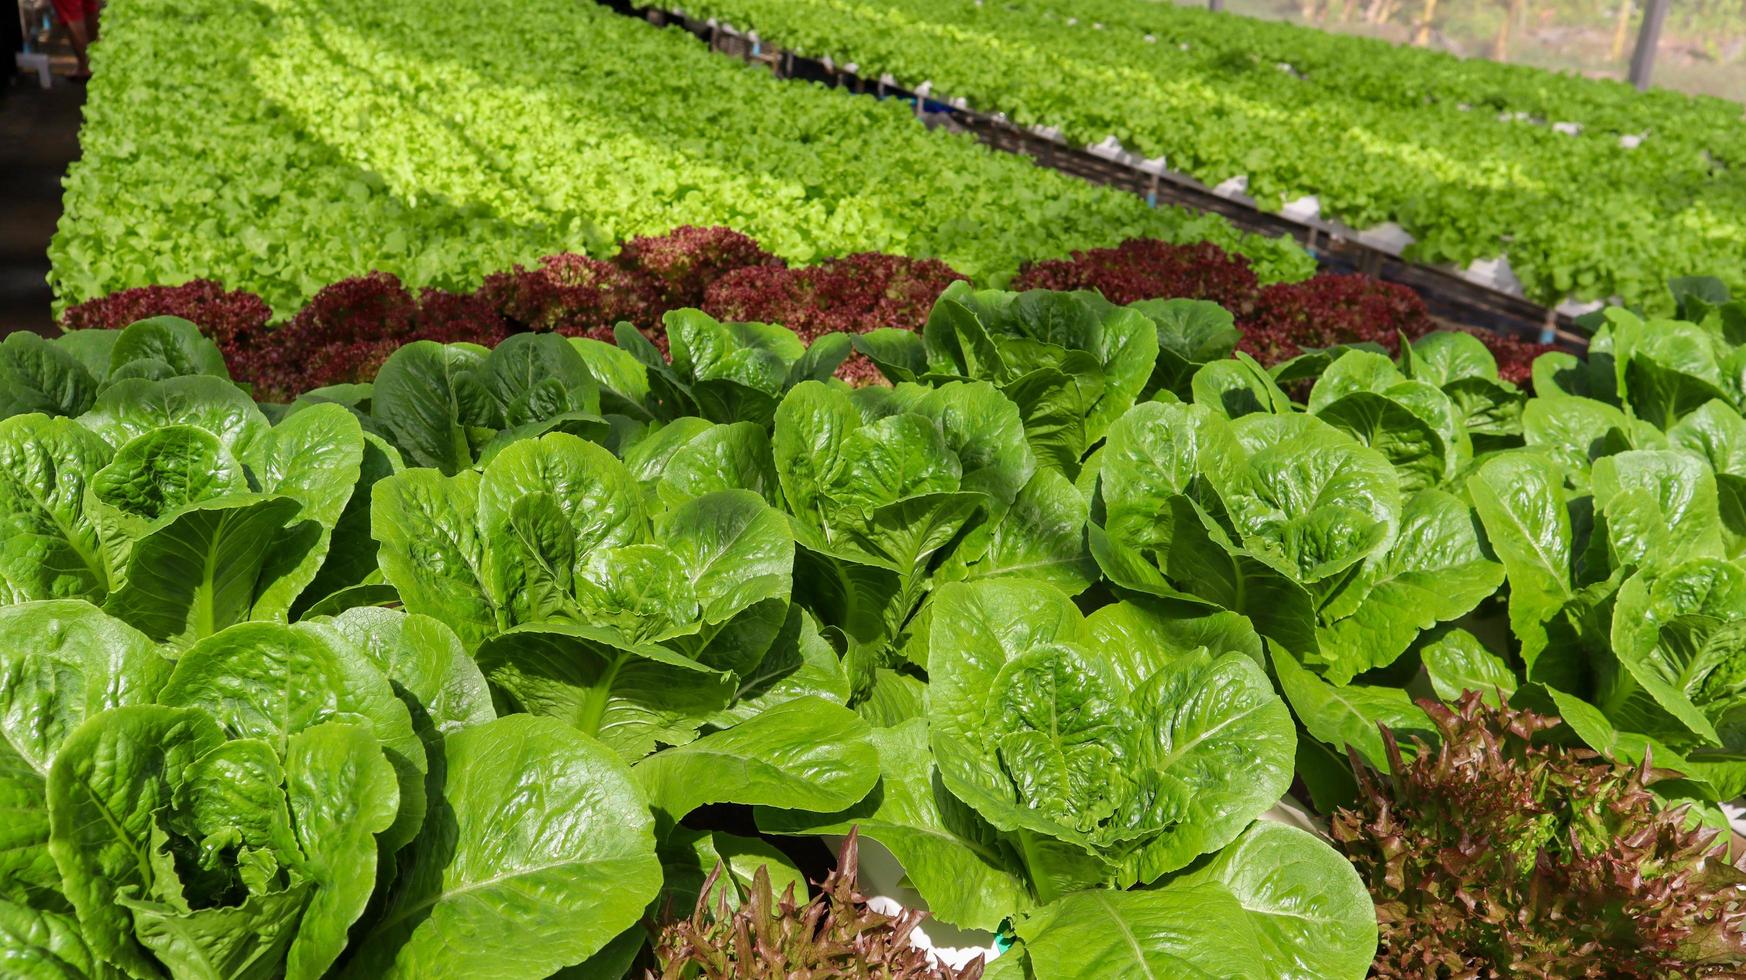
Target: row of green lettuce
442, 141
424, 677
1404, 74
1377, 133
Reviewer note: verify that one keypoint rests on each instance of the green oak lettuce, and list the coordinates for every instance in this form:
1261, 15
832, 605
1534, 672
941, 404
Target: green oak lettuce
524, 172
1435, 144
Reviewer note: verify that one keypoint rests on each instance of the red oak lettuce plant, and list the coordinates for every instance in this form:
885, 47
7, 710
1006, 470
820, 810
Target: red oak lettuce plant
683, 263
1328, 309
350, 328
1145, 268
833, 937
852, 294
575, 295
1498, 856
231, 318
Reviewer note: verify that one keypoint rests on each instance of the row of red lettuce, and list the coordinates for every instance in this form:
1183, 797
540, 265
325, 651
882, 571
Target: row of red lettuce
350, 327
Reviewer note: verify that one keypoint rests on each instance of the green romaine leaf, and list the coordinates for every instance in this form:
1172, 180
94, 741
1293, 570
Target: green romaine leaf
153, 477
900, 355
1346, 715
61, 661
1676, 638
173, 345
734, 549
112, 776
1520, 500
630, 697
1071, 362
1191, 333
1311, 500
1237, 387
1447, 356
426, 396
201, 568
432, 551
1576, 431
536, 376
804, 754
136, 406
314, 457
42, 945
342, 794
547, 853
427, 666
37, 376
1308, 911
1041, 536
351, 559
1391, 429
720, 457
49, 544
1456, 662
1658, 507
1435, 571
1277, 903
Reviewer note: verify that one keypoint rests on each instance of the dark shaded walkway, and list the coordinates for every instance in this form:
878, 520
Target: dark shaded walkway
39, 137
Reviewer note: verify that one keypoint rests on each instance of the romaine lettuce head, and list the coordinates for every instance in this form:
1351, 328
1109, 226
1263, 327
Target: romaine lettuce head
448, 405
64, 376
557, 529
1114, 760
233, 827
1678, 670
1191, 333
884, 487
890, 490
1071, 362
1411, 422
1290, 490
1663, 370
236, 811
1282, 518
176, 505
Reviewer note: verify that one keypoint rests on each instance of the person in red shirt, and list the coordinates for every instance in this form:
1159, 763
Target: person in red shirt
80, 16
